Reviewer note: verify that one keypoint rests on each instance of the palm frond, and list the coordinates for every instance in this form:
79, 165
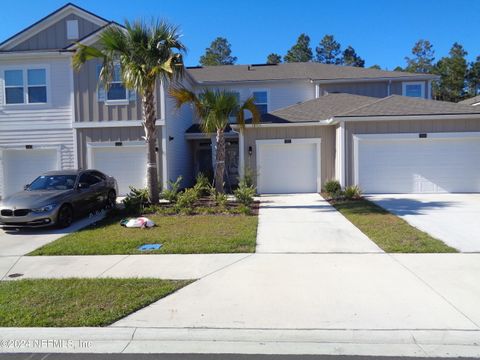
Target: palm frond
248, 105
85, 53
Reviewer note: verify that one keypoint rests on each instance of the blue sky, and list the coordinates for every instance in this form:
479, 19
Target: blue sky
382, 32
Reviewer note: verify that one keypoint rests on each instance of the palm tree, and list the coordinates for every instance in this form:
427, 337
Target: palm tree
214, 108
146, 54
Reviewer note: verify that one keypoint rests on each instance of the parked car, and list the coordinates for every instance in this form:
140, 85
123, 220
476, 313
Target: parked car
57, 197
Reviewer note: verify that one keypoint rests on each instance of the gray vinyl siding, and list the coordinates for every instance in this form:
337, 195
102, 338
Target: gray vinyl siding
113, 134
87, 106
55, 36
325, 133
375, 89
400, 126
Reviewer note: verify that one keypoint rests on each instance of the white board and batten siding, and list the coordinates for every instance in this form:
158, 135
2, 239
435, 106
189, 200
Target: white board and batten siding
408, 163
44, 127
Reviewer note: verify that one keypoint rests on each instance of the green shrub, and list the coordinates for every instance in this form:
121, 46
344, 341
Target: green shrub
136, 200
202, 184
245, 193
171, 194
352, 192
245, 210
187, 199
332, 187
248, 177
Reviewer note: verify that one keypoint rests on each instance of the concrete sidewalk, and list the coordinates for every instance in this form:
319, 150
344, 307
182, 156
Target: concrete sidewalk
167, 266
306, 223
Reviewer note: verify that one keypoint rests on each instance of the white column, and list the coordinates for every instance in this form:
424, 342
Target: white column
241, 154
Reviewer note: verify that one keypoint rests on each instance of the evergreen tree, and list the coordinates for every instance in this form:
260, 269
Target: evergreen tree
376, 66
328, 51
350, 58
423, 57
453, 71
473, 77
399, 68
274, 59
301, 51
219, 53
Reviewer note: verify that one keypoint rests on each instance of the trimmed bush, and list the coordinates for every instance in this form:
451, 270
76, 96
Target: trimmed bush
202, 184
332, 187
186, 200
245, 193
171, 194
135, 201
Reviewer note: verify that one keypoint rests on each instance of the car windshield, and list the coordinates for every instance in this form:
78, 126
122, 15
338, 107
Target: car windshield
53, 182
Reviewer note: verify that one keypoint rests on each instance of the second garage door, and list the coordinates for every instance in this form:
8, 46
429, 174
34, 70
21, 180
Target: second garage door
126, 163
432, 163
288, 166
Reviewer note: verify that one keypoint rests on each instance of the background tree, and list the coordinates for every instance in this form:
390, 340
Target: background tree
398, 68
219, 53
214, 108
328, 51
145, 54
423, 57
473, 77
301, 51
350, 58
274, 59
452, 70
375, 66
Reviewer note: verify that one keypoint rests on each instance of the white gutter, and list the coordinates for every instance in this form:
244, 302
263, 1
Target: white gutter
409, 117
35, 54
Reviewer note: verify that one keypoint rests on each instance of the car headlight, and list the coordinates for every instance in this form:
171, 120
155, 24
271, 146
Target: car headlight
45, 208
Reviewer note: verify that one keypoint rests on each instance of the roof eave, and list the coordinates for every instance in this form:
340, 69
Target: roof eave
410, 117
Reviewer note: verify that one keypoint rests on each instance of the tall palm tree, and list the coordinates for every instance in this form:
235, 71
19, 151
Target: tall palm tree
146, 54
214, 108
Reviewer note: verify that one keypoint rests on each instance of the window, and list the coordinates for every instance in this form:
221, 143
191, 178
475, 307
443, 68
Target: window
88, 178
414, 89
233, 116
261, 100
117, 91
31, 91
72, 29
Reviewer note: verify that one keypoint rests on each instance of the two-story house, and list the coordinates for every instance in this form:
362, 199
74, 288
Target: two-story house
377, 129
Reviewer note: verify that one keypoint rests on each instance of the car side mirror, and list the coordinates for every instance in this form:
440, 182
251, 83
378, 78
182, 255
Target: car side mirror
83, 186
25, 187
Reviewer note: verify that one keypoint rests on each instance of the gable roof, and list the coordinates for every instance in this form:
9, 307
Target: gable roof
336, 106
295, 71
46, 21
472, 101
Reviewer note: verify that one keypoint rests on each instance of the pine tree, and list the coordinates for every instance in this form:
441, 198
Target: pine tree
350, 58
423, 57
301, 51
453, 71
274, 59
219, 53
473, 77
375, 66
328, 51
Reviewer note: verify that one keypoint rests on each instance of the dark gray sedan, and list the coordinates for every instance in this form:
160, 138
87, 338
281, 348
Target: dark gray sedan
57, 197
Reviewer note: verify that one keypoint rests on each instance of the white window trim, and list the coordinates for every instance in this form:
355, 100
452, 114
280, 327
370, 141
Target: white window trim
24, 69
402, 136
268, 97
316, 141
117, 101
422, 86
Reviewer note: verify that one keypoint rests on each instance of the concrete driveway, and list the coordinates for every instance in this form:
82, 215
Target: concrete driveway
452, 218
18, 243
306, 223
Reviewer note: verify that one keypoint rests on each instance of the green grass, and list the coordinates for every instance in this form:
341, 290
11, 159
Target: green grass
77, 302
388, 231
201, 234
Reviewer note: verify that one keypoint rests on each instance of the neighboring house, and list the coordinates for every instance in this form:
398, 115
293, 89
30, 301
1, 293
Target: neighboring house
373, 128
54, 118
474, 101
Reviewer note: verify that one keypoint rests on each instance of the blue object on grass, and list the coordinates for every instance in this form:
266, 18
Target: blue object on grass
147, 247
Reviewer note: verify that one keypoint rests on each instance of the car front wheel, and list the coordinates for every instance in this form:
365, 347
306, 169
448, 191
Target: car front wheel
65, 216
111, 200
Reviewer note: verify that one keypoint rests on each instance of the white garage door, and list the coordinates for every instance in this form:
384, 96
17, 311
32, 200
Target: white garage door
21, 167
410, 164
288, 167
126, 163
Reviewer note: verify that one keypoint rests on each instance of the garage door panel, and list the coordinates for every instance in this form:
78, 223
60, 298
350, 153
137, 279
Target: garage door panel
127, 164
419, 165
21, 167
287, 168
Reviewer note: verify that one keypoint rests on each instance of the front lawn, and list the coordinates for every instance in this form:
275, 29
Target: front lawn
197, 234
388, 231
77, 302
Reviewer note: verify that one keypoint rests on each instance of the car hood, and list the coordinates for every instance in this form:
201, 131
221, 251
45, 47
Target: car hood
33, 199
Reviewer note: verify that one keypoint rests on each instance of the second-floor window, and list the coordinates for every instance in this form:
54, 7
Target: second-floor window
116, 90
261, 100
25, 86
233, 115
414, 89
